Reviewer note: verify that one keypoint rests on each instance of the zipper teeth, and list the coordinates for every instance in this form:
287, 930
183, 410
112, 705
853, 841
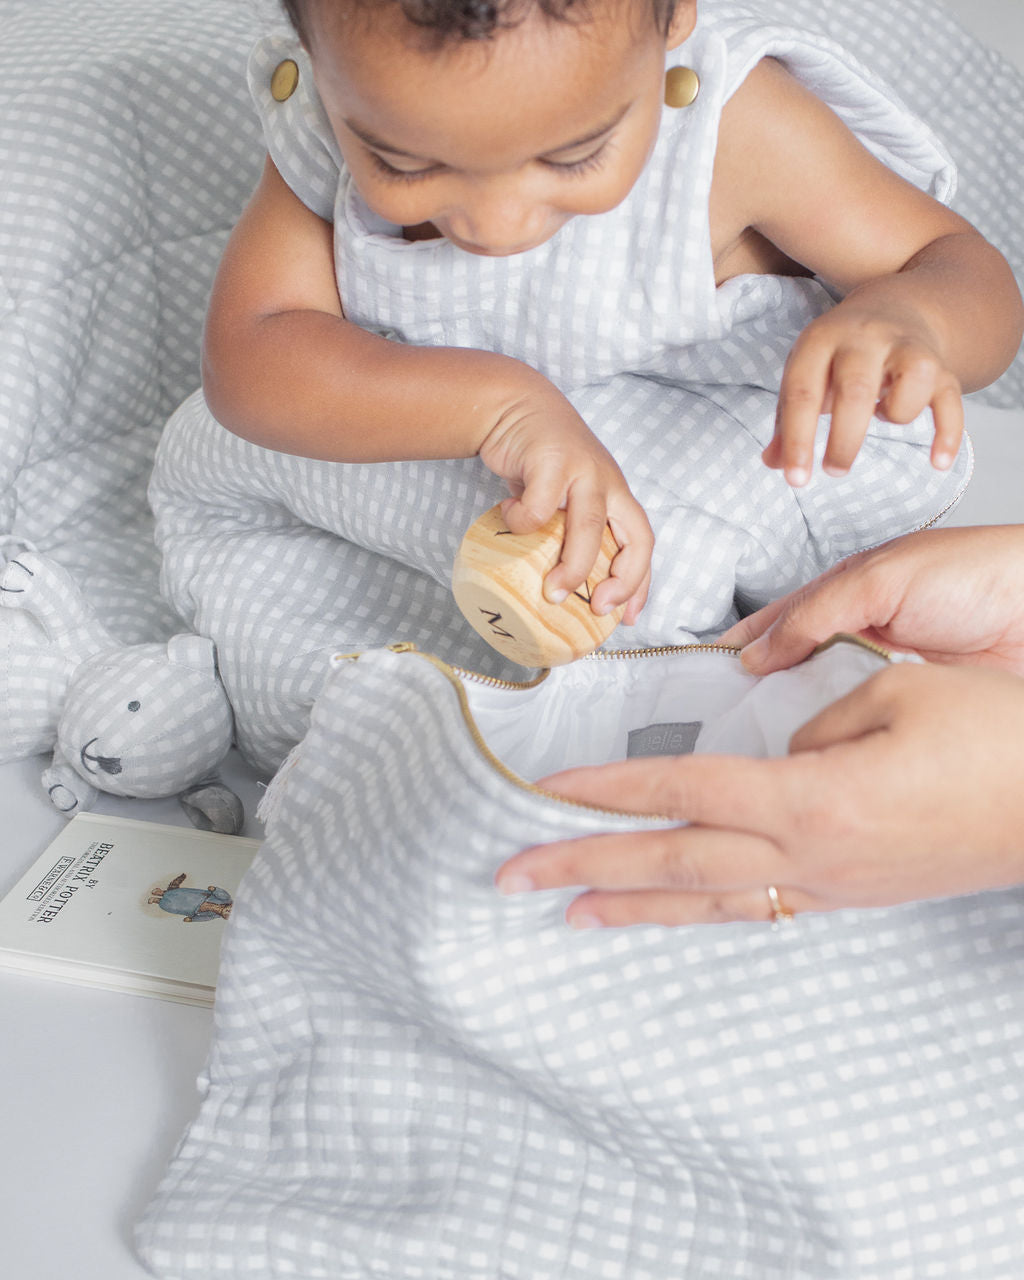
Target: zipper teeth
609, 655
848, 637
600, 655
455, 677
919, 528
493, 682
458, 676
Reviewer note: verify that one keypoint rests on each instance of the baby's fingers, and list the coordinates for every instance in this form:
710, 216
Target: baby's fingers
586, 517
801, 403
856, 384
917, 380
630, 577
948, 414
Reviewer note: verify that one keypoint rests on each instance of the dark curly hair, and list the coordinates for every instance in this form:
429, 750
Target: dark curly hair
445, 21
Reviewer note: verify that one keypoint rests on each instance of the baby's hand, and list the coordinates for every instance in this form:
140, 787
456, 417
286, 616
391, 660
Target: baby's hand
856, 361
552, 460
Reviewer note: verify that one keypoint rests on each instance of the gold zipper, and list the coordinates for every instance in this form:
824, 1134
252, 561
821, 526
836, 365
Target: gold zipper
457, 675
661, 651
848, 637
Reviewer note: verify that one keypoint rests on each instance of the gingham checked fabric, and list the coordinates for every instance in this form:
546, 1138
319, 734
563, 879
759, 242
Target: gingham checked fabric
413, 1078
678, 378
966, 92
127, 148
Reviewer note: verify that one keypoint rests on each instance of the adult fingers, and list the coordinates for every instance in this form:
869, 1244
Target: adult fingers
711, 789
618, 910
867, 709
853, 597
691, 859
755, 625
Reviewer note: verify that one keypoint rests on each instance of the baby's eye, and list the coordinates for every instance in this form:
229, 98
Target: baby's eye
401, 175
586, 164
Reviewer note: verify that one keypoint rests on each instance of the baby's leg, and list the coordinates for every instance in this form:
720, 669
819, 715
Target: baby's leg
729, 532
277, 594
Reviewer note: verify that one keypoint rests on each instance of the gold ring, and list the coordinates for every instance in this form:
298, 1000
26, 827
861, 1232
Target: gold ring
780, 915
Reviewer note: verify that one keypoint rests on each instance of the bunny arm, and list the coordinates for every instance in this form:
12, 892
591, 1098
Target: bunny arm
68, 791
43, 588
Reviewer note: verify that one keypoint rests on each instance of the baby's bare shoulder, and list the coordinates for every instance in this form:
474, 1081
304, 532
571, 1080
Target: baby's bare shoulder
761, 125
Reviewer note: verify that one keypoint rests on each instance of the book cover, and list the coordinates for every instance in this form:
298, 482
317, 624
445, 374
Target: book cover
127, 905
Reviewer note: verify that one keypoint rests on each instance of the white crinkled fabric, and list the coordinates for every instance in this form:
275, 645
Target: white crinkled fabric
281, 559
414, 1078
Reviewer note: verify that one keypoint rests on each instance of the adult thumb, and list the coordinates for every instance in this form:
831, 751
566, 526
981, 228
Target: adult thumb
840, 601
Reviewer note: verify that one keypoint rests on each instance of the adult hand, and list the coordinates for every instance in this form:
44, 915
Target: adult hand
951, 595
910, 787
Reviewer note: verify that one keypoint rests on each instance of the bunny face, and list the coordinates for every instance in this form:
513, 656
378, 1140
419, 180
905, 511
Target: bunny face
146, 720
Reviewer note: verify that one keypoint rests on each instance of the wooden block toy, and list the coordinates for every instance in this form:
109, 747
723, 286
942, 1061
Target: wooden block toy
498, 579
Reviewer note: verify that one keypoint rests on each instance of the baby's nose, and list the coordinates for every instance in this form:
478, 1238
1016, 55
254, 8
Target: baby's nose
500, 224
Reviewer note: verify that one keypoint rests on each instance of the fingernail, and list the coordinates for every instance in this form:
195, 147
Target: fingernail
752, 654
585, 922
555, 595
515, 882
797, 476
942, 461
830, 469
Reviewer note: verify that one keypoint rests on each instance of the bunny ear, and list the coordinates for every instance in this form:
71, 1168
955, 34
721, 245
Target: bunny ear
198, 652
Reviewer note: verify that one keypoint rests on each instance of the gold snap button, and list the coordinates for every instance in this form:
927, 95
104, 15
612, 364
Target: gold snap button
284, 81
682, 84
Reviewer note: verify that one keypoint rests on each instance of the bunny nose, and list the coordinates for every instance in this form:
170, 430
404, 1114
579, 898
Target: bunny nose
107, 764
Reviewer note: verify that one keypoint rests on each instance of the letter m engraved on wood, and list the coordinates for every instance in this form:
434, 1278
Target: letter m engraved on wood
493, 618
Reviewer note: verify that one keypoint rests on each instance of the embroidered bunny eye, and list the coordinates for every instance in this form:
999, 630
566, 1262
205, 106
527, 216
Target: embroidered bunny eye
134, 706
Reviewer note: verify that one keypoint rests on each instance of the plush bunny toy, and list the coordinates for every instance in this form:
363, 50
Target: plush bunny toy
133, 720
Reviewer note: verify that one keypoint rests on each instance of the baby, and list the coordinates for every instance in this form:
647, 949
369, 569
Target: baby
620, 255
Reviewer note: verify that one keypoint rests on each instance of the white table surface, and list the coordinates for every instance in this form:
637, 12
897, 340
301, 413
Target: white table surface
96, 1087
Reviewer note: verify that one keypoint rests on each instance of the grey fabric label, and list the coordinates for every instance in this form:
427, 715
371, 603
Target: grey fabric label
663, 739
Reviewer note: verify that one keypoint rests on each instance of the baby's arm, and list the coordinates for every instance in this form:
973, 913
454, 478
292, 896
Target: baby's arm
929, 307
283, 368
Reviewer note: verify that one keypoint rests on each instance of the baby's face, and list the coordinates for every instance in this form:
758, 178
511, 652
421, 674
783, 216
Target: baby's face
496, 145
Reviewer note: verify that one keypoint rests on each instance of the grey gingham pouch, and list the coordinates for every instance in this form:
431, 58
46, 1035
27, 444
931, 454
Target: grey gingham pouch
413, 1077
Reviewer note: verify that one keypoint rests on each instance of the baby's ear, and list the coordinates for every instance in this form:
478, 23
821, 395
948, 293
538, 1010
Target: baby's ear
684, 19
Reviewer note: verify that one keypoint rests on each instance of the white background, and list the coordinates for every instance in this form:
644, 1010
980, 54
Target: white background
95, 1087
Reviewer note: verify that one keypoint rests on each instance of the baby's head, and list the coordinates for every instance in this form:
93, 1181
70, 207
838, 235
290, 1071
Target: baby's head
441, 21
492, 124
